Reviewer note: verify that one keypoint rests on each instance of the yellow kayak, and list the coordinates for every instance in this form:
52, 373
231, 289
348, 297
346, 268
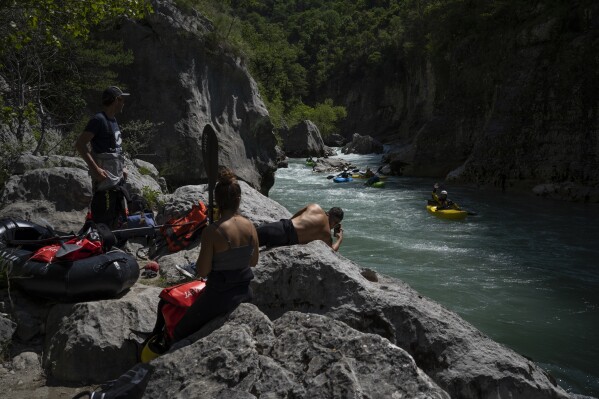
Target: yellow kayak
453, 214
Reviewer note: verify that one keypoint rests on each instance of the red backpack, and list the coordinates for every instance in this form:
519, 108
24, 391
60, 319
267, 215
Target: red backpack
180, 232
177, 300
174, 302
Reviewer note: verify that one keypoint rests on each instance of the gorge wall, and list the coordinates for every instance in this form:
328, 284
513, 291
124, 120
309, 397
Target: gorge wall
515, 106
183, 80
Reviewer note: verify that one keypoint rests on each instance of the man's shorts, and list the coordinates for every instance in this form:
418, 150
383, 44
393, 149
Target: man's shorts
276, 234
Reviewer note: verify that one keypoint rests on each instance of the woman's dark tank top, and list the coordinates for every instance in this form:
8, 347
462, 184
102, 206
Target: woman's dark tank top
231, 268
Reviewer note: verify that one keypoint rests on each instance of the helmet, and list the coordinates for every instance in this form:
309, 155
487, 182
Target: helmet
443, 192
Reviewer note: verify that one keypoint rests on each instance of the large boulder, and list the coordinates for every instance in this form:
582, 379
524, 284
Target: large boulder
332, 165
304, 140
363, 145
54, 195
57, 190
183, 81
464, 362
298, 355
394, 163
7, 329
91, 342
334, 140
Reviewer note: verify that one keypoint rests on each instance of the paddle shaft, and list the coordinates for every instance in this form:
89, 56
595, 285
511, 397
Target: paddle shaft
210, 155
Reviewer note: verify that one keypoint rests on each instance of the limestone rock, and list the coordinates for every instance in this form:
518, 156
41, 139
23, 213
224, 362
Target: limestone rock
334, 140
56, 190
7, 329
184, 82
363, 145
313, 279
304, 140
93, 342
298, 355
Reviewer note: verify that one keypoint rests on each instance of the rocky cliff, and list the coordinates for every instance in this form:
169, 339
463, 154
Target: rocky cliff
513, 107
184, 79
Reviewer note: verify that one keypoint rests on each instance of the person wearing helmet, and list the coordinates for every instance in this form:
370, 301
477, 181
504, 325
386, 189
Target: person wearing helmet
442, 200
444, 203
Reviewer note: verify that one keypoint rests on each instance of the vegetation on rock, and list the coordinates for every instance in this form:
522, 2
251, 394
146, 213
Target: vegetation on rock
48, 62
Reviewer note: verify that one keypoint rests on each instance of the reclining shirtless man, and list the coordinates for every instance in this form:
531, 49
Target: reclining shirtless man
308, 224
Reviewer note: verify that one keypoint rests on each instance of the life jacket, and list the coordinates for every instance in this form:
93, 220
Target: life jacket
179, 233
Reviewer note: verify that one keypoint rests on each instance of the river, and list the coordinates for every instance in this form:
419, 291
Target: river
523, 270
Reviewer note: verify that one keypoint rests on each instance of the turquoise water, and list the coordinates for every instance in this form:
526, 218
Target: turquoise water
524, 270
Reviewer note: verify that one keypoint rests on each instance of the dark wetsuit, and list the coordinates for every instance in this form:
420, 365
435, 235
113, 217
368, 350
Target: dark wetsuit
277, 233
228, 285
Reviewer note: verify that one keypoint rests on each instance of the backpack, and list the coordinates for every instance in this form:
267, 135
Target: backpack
108, 207
138, 203
180, 232
174, 302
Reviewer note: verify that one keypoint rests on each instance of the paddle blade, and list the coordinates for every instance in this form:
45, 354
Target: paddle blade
330, 176
66, 249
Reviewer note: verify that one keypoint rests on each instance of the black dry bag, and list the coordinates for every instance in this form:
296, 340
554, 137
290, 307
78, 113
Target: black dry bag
130, 385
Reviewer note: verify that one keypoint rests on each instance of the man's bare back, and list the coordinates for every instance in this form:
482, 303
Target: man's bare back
308, 224
312, 223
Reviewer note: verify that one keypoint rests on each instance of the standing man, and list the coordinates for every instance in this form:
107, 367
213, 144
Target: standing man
308, 224
105, 160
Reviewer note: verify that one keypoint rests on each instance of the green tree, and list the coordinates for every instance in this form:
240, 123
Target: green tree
324, 115
43, 59
138, 136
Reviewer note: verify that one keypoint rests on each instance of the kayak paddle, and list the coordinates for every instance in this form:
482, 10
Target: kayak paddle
210, 158
65, 249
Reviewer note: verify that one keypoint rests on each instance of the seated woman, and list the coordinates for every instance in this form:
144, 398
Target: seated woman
229, 249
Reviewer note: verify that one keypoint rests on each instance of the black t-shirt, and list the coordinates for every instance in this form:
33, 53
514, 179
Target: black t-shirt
107, 134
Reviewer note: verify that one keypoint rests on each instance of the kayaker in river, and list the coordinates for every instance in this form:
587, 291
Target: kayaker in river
442, 200
308, 224
372, 176
369, 173
344, 174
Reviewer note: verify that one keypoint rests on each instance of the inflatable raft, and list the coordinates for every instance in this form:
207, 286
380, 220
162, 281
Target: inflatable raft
99, 276
454, 214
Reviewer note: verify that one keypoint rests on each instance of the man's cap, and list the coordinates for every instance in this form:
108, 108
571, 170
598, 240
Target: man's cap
112, 93
443, 192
